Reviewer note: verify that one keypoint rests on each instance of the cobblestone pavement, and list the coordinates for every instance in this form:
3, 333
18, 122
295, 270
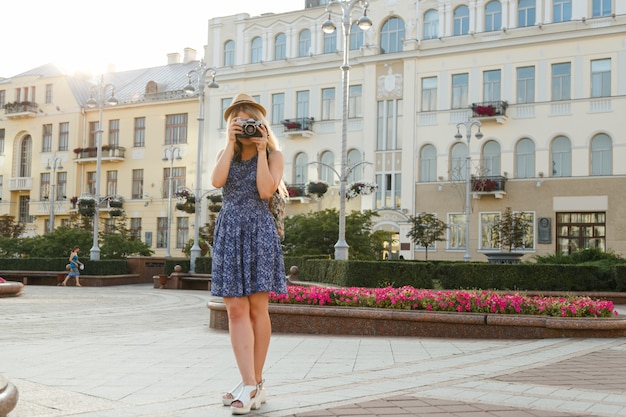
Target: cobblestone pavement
132, 351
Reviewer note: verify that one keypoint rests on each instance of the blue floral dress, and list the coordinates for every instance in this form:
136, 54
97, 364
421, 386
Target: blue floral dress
247, 254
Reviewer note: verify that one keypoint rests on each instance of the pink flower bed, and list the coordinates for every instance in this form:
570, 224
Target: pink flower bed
409, 298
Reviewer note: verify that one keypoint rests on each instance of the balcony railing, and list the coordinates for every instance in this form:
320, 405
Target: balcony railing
20, 109
491, 185
490, 110
109, 153
302, 126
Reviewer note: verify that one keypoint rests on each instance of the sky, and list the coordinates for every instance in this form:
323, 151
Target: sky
89, 36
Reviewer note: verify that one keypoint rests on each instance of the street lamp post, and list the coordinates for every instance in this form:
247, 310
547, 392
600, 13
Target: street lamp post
169, 154
53, 164
96, 98
468, 180
200, 77
364, 22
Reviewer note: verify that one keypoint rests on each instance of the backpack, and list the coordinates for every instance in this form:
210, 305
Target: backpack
277, 207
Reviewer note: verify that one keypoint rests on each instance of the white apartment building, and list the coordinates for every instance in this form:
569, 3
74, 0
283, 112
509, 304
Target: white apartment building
546, 79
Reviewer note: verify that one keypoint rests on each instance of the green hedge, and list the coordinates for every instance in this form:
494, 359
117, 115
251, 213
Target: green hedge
102, 267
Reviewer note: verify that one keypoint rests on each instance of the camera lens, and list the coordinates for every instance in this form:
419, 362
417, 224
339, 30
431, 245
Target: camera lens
249, 129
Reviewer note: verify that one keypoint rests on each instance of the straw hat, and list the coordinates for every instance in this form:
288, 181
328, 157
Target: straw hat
243, 99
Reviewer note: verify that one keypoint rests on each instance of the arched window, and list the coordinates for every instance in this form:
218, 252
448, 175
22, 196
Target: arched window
280, 46
354, 157
525, 159
431, 24
256, 50
304, 43
25, 156
392, 35
330, 42
326, 173
428, 164
356, 37
229, 53
493, 16
457, 162
461, 20
490, 163
601, 155
300, 174
561, 157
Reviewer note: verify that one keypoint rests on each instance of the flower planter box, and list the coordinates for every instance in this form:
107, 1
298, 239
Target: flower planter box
388, 322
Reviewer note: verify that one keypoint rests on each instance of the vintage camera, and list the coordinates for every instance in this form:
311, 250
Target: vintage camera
250, 129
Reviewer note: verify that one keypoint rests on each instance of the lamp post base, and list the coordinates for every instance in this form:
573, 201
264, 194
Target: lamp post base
94, 254
341, 251
195, 252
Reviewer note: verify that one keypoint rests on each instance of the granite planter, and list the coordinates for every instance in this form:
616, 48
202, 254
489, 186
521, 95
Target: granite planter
8, 396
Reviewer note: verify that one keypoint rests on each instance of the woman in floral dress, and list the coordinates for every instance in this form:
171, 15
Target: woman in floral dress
247, 254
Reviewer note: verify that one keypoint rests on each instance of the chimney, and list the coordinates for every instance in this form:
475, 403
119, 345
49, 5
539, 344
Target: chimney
173, 58
190, 55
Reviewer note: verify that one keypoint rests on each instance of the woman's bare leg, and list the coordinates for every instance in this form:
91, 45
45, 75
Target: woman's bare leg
262, 328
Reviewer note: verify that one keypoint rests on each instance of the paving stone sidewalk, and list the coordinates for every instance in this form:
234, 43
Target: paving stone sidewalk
132, 351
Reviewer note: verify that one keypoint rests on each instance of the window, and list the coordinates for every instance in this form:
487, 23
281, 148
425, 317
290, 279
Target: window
162, 234
328, 103
2, 141
493, 16
460, 87
91, 183
356, 37
526, 13
431, 24
601, 8
458, 156
456, 231
300, 175
225, 104
256, 50
48, 97
488, 235
178, 180
354, 157
389, 117
461, 20
229, 54
175, 129
561, 81
278, 108
561, 157
64, 136
330, 42
577, 231
24, 214
525, 159
490, 163
389, 191
137, 185
109, 225
3, 98
182, 232
561, 10
525, 85
114, 133
280, 46
304, 43
135, 228
601, 78
61, 186
302, 104
428, 164
139, 135
326, 173
429, 94
111, 183
355, 99
392, 36
601, 155
491, 85
46, 140
44, 186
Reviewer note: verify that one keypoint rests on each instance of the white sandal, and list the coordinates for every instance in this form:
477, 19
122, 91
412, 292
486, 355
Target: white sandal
230, 396
247, 401
261, 393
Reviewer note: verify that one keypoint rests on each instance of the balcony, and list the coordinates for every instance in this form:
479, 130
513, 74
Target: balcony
300, 127
17, 110
298, 192
493, 185
490, 110
109, 154
20, 184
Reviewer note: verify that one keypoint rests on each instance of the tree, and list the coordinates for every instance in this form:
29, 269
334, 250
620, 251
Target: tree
510, 230
426, 230
315, 233
9, 227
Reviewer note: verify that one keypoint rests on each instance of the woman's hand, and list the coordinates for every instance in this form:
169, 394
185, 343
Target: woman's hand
234, 129
260, 142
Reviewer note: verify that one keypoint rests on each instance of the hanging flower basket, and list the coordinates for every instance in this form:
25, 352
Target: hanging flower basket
317, 189
190, 208
215, 208
86, 202
360, 188
87, 211
115, 213
215, 198
115, 204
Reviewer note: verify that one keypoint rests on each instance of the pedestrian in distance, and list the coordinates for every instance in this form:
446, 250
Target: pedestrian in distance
75, 265
247, 253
